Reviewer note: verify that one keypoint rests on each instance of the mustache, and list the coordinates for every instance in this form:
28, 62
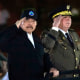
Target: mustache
29, 27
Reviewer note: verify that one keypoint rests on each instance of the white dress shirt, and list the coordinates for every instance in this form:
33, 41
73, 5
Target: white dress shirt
57, 29
5, 77
30, 37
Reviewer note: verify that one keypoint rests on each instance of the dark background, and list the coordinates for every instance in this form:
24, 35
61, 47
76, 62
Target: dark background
43, 7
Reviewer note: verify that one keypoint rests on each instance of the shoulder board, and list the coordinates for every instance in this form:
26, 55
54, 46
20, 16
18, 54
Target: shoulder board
71, 30
44, 33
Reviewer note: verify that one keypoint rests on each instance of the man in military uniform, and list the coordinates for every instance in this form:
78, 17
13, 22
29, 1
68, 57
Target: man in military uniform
62, 44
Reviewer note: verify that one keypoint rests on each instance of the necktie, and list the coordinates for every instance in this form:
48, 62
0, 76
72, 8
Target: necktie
69, 39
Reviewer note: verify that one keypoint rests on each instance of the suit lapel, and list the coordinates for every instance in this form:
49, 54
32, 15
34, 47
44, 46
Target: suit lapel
63, 38
35, 40
27, 41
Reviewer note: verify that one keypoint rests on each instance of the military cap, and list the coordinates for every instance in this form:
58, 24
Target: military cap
29, 13
63, 10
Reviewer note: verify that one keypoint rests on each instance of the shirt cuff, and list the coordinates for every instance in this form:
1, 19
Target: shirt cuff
55, 28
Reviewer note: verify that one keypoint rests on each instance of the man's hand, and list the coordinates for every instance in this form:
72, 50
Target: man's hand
55, 72
57, 21
20, 22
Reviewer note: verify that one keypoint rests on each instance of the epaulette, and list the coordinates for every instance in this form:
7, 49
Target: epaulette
44, 33
71, 30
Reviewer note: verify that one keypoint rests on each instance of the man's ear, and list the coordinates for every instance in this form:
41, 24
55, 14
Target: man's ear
36, 23
54, 19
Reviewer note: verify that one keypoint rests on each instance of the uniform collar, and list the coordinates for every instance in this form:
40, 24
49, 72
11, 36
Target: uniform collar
63, 31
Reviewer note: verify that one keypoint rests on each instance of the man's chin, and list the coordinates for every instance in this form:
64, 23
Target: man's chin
66, 28
29, 31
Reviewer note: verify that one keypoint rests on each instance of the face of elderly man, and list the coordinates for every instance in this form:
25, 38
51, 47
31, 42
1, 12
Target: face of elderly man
65, 23
29, 25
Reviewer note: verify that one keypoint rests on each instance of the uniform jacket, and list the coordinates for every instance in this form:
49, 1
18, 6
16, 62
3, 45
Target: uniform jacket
24, 61
62, 54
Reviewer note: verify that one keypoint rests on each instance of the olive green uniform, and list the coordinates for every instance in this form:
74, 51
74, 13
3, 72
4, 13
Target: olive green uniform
63, 56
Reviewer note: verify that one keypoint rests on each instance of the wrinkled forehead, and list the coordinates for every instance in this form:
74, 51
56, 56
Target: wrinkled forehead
30, 20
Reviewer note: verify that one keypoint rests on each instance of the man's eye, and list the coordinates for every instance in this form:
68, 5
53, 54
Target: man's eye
33, 21
65, 17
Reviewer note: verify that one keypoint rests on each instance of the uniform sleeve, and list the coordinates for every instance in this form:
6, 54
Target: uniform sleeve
77, 39
77, 42
49, 39
6, 36
47, 63
78, 45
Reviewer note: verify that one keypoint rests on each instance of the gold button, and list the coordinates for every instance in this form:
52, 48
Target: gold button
45, 35
76, 58
65, 48
74, 50
74, 75
76, 40
75, 67
63, 38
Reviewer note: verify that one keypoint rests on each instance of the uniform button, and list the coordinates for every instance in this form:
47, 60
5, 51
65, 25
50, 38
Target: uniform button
76, 58
45, 35
65, 48
74, 50
75, 67
74, 75
76, 40
63, 38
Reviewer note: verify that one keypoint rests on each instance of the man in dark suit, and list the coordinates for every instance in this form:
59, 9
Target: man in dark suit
26, 57
61, 42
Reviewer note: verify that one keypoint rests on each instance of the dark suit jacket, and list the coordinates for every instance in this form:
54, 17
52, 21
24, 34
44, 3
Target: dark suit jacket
24, 61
